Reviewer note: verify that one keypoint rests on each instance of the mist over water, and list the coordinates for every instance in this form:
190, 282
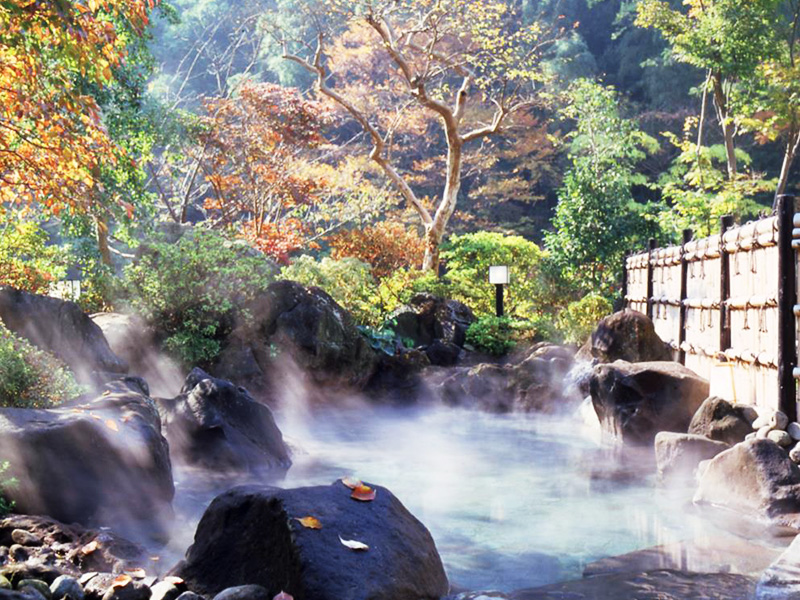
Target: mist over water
512, 501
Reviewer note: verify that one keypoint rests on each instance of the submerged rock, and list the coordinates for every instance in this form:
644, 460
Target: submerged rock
626, 335
757, 478
678, 454
100, 461
719, 420
781, 580
634, 401
63, 329
217, 425
251, 535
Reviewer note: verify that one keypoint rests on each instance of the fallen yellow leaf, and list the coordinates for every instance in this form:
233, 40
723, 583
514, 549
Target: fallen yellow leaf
353, 544
310, 522
363, 493
121, 581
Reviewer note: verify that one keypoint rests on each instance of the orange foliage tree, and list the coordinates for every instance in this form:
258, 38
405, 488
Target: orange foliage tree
259, 182
52, 139
387, 246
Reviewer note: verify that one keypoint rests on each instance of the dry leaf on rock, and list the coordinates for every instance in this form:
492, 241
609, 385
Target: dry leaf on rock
363, 493
351, 482
121, 581
309, 522
353, 544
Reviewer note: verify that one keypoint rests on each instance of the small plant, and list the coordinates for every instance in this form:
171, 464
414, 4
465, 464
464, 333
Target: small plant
6, 483
32, 378
193, 290
578, 320
493, 335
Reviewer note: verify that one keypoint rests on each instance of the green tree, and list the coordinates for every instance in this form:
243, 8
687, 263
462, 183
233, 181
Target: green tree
597, 219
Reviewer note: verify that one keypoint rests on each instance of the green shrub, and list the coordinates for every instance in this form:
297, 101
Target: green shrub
193, 290
27, 262
349, 281
579, 319
31, 378
491, 334
468, 258
6, 483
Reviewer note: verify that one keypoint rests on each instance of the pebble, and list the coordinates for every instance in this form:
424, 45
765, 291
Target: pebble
760, 422
244, 592
37, 584
5, 584
87, 577
25, 538
190, 596
32, 593
794, 453
763, 432
18, 553
778, 420
751, 436
66, 587
164, 590
783, 439
133, 591
793, 429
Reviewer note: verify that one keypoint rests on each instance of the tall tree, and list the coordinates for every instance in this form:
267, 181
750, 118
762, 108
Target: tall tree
471, 65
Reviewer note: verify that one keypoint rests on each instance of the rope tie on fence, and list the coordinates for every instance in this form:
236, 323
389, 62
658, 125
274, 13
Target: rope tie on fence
746, 315
737, 252
762, 320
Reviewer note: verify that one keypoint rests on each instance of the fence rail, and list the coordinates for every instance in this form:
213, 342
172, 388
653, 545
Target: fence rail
727, 305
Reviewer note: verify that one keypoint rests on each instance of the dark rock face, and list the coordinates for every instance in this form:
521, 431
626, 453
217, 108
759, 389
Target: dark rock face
626, 335
397, 377
678, 454
217, 425
755, 477
250, 535
427, 318
62, 329
318, 334
537, 383
102, 461
443, 354
718, 419
635, 401
68, 549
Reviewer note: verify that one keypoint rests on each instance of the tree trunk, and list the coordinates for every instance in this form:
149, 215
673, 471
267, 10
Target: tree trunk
102, 240
790, 151
433, 239
728, 130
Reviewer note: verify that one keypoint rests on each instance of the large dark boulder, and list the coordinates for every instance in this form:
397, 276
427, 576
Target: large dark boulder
216, 425
99, 461
626, 335
427, 318
634, 401
63, 329
718, 419
397, 378
318, 334
757, 478
251, 535
537, 382
679, 454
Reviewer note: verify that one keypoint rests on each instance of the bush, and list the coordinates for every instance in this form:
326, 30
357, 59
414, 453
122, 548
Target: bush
26, 261
386, 246
468, 258
491, 334
31, 378
579, 319
192, 291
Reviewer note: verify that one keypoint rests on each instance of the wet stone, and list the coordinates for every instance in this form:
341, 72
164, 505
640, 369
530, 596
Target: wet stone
190, 596
18, 553
25, 538
66, 587
135, 590
5, 584
97, 586
37, 584
164, 590
244, 592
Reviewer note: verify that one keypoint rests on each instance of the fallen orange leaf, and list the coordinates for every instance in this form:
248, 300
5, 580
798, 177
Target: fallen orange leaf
112, 425
353, 544
121, 581
310, 522
283, 596
364, 493
351, 482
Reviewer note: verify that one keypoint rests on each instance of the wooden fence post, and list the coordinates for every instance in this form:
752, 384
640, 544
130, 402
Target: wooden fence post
787, 298
687, 237
651, 247
725, 223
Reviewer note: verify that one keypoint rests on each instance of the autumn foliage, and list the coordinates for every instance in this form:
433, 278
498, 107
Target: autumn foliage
51, 136
387, 246
260, 185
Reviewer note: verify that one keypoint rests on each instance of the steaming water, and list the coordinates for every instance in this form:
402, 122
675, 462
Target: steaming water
511, 501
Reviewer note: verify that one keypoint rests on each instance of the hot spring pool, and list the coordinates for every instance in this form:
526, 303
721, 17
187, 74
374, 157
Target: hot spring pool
511, 501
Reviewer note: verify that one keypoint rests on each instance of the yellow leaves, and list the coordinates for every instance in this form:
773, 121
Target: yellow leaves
309, 522
363, 493
121, 581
